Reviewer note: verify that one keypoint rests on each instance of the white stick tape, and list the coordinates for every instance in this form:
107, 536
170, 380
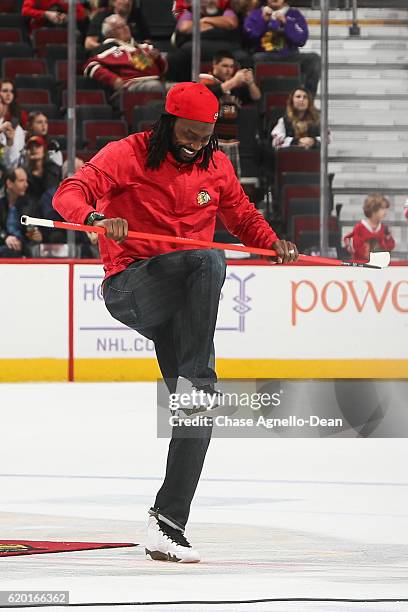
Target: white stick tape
26, 220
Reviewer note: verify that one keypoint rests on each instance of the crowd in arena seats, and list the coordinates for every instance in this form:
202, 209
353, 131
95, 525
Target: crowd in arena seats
129, 52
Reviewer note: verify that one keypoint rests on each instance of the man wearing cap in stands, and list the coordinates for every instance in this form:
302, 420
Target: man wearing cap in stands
171, 180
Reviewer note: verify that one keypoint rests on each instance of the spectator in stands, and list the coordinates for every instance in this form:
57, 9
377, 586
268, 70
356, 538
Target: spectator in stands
96, 6
123, 64
11, 109
233, 89
48, 13
12, 137
242, 8
78, 163
88, 241
46, 208
37, 125
219, 30
13, 238
129, 10
300, 126
237, 83
275, 32
42, 173
371, 234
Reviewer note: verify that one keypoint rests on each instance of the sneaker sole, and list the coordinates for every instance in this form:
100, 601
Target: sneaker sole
156, 555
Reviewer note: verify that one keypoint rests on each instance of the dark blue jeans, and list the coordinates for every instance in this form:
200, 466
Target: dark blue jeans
173, 300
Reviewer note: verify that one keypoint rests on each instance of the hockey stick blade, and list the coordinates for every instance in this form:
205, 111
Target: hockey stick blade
380, 260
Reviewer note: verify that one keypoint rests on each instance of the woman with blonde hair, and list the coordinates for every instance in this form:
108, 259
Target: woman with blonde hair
300, 126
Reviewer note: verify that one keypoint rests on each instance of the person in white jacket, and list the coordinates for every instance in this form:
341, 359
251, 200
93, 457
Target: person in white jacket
12, 141
300, 126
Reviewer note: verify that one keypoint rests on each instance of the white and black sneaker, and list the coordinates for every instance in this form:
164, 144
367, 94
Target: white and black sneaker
165, 543
201, 400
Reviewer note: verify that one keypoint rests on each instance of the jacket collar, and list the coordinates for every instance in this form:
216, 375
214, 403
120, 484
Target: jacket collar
130, 46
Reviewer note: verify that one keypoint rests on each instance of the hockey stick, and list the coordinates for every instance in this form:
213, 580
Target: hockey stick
377, 260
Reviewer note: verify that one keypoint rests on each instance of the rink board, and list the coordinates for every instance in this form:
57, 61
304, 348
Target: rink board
287, 322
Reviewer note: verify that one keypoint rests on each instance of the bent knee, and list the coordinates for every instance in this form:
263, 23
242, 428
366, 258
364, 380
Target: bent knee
213, 258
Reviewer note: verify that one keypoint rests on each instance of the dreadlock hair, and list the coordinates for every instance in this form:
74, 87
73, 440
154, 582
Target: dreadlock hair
160, 139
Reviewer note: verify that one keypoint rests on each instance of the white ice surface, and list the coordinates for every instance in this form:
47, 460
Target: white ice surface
281, 518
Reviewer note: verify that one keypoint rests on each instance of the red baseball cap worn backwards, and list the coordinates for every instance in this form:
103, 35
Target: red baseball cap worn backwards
192, 101
36, 140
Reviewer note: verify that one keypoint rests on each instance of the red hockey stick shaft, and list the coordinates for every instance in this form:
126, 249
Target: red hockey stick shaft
77, 227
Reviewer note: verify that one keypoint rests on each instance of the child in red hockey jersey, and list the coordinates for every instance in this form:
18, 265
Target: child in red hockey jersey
371, 234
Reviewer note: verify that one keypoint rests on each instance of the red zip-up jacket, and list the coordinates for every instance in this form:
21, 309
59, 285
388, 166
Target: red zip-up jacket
176, 200
35, 9
363, 238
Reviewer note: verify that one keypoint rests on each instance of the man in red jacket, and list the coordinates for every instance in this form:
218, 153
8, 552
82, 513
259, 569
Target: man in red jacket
171, 181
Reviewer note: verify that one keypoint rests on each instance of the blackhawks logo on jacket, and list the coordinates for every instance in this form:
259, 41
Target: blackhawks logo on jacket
203, 197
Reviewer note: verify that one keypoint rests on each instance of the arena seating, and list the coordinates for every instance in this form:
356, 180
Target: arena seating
279, 84
128, 101
146, 115
303, 226
264, 70
51, 110
290, 192
38, 82
108, 130
34, 96
61, 70
13, 66
7, 6
12, 19
86, 97
292, 159
248, 132
10, 35
39, 67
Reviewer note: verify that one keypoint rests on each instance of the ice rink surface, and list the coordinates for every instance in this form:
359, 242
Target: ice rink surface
273, 519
